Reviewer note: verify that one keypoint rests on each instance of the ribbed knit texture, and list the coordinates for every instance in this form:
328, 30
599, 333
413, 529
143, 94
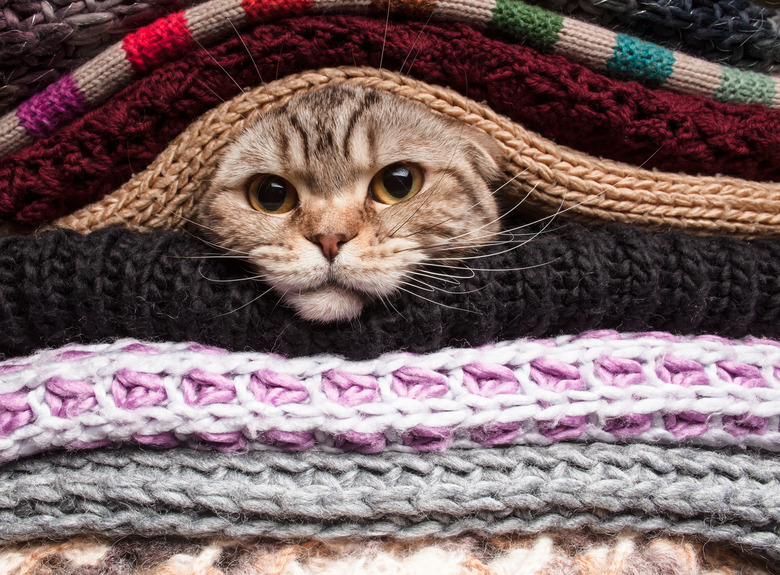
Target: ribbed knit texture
563, 101
733, 32
42, 40
61, 286
518, 491
645, 388
543, 554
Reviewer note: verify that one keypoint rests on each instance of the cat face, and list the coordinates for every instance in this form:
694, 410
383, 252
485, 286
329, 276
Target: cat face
341, 195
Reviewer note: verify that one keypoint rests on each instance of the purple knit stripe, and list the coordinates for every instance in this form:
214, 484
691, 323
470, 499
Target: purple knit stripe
47, 111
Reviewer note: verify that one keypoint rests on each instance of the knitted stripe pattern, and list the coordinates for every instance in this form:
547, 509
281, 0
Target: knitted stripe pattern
119, 283
517, 491
730, 32
596, 387
563, 101
170, 37
559, 179
40, 41
574, 554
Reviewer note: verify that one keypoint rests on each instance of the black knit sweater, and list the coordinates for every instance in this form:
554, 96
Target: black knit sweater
63, 287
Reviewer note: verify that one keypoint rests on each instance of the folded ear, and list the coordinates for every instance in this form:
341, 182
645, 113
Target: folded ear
492, 163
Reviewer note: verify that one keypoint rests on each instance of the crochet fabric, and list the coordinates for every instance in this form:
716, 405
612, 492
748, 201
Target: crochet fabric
549, 179
174, 35
595, 387
561, 100
226, 435
118, 283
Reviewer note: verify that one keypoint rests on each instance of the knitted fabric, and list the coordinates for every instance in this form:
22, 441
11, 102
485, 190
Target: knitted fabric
563, 101
62, 287
41, 40
170, 37
732, 32
572, 554
596, 387
607, 489
559, 179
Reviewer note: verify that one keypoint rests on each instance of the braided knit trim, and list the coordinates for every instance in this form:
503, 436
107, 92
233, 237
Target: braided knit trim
733, 32
42, 40
520, 491
602, 387
166, 194
543, 554
170, 37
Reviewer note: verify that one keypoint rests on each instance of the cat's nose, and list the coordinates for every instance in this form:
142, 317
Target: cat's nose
331, 243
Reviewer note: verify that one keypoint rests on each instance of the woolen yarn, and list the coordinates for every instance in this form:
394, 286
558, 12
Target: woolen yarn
63, 287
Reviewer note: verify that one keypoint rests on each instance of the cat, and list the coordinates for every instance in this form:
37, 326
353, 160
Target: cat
344, 194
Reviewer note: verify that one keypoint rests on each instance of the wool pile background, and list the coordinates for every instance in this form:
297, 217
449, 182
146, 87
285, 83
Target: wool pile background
151, 422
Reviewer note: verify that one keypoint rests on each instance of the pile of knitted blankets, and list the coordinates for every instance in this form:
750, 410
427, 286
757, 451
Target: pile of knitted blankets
602, 398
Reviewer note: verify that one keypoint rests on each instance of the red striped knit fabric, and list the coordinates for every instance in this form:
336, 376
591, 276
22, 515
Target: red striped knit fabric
158, 42
549, 94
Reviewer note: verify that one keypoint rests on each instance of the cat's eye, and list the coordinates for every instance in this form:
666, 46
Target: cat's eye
396, 183
272, 194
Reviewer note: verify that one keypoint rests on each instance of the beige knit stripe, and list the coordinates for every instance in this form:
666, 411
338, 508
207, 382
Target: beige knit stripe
207, 22
589, 45
111, 68
11, 133
342, 6
691, 76
476, 12
550, 554
560, 179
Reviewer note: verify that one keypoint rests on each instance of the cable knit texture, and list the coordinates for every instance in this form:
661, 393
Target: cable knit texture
561, 100
543, 554
548, 178
653, 388
517, 491
733, 32
62, 286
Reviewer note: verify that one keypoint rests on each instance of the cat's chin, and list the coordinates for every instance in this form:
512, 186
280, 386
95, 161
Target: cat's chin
327, 304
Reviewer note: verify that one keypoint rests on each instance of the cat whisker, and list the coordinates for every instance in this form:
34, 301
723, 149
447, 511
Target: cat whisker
519, 269
433, 289
232, 280
250, 302
427, 228
447, 278
431, 191
436, 302
232, 79
425, 25
384, 38
259, 75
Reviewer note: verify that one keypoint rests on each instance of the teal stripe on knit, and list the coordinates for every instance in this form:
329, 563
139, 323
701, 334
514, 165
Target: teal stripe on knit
639, 60
527, 24
743, 87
